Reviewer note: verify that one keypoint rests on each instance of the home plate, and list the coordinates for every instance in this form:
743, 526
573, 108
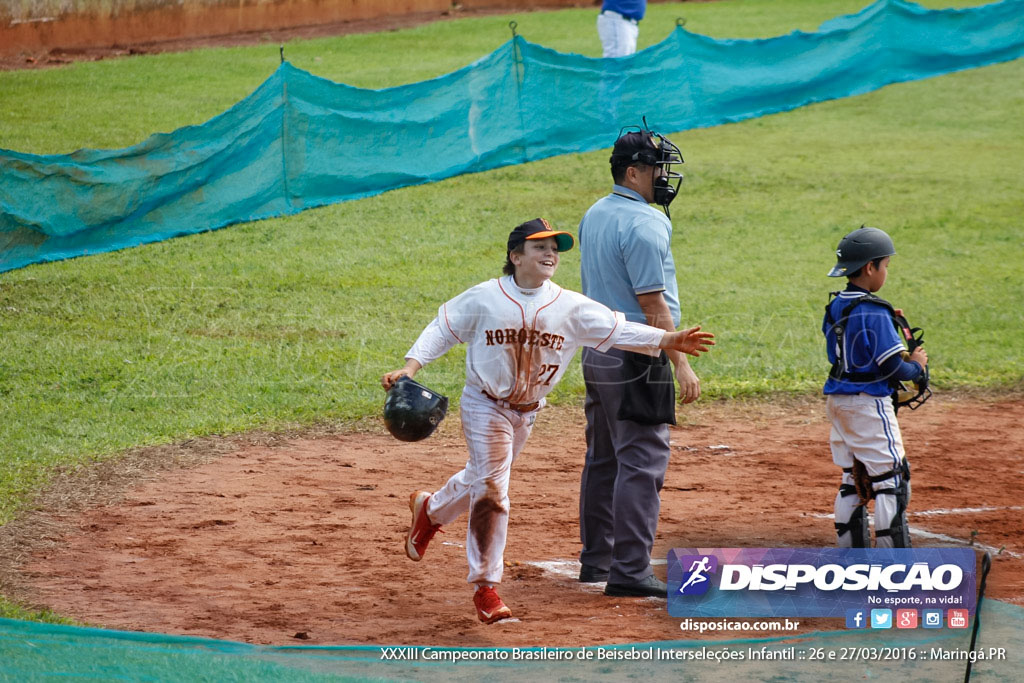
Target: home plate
558, 567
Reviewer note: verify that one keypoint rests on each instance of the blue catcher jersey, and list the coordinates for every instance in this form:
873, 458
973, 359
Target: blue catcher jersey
869, 339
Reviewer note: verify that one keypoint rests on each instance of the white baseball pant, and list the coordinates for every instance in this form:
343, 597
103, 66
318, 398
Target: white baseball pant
618, 34
865, 427
495, 436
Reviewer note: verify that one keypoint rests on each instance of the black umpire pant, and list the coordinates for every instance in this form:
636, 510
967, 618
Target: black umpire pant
622, 476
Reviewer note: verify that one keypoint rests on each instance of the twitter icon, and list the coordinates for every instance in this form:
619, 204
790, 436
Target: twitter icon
881, 618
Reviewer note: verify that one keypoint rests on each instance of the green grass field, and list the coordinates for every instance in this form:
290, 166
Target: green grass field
290, 321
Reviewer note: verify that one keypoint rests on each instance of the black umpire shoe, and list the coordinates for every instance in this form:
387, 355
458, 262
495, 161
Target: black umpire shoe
590, 574
651, 587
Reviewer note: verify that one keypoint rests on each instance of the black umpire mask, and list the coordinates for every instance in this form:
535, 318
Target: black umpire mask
666, 185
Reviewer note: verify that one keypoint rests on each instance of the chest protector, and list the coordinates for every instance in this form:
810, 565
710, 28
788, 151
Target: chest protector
913, 337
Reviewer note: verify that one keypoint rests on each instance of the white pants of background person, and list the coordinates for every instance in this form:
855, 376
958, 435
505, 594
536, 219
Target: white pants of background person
618, 34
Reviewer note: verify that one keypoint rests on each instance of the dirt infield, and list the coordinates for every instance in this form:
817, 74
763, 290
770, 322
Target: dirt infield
300, 539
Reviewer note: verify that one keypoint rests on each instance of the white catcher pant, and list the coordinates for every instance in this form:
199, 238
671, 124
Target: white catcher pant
865, 427
494, 436
618, 34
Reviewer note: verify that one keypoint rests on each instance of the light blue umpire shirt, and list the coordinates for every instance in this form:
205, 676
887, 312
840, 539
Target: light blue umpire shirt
626, 250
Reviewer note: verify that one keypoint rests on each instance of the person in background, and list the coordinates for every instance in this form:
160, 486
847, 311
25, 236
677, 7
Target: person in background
617, 26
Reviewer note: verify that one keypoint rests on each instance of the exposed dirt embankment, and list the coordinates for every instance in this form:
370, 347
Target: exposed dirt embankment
50, 32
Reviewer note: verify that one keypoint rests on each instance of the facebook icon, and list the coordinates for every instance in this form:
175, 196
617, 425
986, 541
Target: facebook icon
856, 618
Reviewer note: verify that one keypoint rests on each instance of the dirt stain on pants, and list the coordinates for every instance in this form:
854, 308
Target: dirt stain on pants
484, 515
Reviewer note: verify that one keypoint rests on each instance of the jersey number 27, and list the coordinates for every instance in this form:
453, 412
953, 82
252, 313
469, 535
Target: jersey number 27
549, 370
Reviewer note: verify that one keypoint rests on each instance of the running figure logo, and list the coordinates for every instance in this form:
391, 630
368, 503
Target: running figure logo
696, 582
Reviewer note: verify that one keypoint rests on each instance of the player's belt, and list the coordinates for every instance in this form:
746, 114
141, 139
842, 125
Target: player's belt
518, 407
620, 16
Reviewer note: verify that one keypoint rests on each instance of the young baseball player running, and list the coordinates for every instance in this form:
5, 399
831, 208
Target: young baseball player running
521, 331
866, 354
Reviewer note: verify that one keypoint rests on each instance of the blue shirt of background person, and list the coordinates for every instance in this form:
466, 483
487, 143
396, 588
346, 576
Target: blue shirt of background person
631, 9
872, 345
634, 248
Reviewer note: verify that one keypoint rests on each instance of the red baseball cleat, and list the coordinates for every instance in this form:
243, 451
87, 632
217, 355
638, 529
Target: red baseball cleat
421, 530
489, 606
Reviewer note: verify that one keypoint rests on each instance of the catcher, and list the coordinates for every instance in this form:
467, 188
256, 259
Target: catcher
869, 364
521, 332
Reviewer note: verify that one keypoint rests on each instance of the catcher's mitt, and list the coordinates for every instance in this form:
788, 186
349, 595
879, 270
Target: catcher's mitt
862, 482
865, 483
921, 392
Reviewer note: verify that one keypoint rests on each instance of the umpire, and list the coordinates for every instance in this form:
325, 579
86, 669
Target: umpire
626, 264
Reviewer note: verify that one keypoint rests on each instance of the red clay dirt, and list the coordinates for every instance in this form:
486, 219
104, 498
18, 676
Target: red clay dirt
138, 33
149, 36
301, 539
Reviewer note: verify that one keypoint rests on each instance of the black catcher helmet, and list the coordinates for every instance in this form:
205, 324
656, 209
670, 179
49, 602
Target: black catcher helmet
412, 411
641, 145
859, 247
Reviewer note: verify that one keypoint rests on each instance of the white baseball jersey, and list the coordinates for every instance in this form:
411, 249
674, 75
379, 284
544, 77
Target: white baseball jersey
520, 341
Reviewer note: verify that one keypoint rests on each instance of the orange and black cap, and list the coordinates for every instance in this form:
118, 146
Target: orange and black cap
538, 229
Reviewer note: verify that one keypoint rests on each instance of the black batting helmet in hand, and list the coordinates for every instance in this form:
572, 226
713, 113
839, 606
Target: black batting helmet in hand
412, 411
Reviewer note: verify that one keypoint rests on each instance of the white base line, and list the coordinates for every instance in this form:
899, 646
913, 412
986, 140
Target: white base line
960, 541
961, 511
943, 537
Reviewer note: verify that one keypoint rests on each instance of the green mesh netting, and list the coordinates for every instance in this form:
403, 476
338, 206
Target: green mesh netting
300, 141
32, 651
